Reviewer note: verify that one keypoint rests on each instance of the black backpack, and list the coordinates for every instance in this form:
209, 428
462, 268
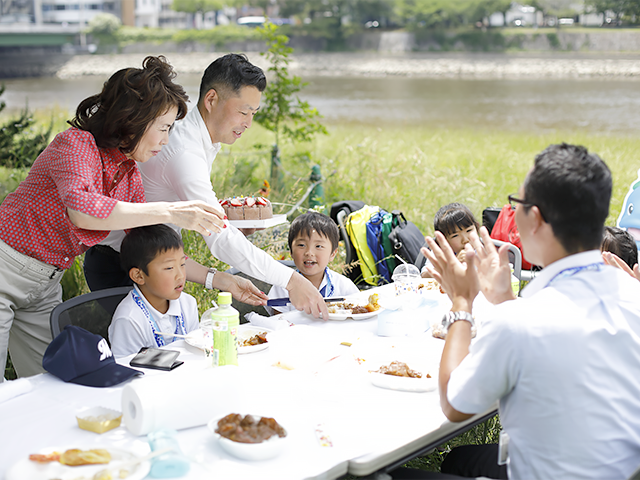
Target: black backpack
406, 239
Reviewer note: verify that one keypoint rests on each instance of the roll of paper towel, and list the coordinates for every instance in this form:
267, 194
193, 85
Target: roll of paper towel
179, 401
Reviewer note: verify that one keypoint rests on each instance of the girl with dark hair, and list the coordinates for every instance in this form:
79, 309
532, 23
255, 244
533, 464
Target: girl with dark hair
455, 221
84, 184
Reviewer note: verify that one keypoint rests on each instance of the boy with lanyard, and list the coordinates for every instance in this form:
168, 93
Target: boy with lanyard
155, 260
313, 243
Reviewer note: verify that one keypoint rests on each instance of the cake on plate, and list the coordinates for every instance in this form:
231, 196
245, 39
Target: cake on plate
247, 208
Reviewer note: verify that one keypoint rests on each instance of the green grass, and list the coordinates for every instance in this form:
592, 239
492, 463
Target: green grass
413, 169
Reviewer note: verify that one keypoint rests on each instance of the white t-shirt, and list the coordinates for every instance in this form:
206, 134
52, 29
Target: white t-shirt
565, 363
342, 287
131, 329
182, 171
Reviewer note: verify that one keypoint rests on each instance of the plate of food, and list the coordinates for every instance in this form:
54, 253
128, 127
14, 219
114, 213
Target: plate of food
400, 376
355, 311
252, 339
78, 464
249, 437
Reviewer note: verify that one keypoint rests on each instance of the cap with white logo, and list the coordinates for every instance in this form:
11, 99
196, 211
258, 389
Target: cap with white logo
79, 356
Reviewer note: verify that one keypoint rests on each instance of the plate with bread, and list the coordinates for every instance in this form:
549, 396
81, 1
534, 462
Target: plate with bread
72, 463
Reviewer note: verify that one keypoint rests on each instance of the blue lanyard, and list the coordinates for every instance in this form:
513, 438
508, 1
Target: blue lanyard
180, 328
329, 285
569, 272
327, 290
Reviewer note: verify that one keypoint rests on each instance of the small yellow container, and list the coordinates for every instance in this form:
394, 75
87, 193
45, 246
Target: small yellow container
98, 419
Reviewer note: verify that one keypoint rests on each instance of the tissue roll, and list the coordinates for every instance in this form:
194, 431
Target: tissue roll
177, 402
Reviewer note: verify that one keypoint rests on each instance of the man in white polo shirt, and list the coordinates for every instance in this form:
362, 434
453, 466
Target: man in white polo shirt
564, 360
230, 93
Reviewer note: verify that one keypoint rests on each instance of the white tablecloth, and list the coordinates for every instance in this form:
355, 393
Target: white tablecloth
360, 419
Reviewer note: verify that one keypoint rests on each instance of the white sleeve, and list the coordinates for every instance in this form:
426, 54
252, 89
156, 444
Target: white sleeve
190, 180
189, 307
491, 369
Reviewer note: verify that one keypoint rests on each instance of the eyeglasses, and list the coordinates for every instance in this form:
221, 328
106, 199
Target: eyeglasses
513, 200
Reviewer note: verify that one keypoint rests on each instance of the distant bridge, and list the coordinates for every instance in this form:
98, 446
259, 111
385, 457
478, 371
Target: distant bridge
28, 50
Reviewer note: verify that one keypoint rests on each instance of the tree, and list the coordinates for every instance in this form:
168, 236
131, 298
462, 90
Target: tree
283, 112
197, 6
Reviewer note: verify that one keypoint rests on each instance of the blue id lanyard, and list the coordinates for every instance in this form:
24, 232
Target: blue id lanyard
180, 328
569, 272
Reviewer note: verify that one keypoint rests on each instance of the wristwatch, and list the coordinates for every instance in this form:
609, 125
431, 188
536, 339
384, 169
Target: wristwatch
451, 317
208, 282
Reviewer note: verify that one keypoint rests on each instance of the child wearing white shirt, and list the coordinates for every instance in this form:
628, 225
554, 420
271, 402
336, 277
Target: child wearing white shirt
313, 243
157, 306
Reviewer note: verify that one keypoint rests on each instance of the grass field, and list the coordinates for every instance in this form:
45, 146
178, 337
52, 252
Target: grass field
413, 169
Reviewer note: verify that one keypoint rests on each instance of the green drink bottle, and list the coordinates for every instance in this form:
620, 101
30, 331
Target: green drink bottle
225, 321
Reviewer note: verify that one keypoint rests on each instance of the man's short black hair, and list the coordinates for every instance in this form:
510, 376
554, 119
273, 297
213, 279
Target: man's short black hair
229, 73
619, 241
143, 244
323, 224
453, 217
572, 189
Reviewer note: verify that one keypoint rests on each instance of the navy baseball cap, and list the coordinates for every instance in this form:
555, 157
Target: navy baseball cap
82, 357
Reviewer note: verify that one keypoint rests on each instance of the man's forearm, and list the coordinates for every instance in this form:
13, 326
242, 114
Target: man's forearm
456, 347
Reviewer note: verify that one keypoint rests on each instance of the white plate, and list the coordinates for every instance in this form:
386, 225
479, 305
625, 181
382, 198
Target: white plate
266, 223
249, 451
354, 316
26, 469
245, 331
405, 384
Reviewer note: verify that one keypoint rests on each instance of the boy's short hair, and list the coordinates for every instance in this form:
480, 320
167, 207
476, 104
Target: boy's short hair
620, 242
143, 244
452, 217
229, 73
323, 224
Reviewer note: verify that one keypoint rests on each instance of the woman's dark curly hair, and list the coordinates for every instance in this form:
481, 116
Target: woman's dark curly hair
130, 100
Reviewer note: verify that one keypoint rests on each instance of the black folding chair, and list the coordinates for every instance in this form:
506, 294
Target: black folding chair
91, 311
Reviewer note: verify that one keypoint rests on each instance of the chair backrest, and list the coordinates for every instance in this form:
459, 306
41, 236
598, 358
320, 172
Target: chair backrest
91, 311
515, 257
244, 308
345, 237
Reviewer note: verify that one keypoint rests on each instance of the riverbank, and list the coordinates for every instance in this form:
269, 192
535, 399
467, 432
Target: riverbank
421, 65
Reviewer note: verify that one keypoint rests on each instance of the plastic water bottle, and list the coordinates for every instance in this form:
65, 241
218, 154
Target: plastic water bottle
515, 283
225, 321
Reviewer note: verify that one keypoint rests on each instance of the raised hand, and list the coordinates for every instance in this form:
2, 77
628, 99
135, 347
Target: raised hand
494, 272
458, 279
615, 261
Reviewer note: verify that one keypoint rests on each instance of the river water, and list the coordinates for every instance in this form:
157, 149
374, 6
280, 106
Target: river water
606, 106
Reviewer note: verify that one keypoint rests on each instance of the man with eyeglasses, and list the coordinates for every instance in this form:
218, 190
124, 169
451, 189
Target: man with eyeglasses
564, 360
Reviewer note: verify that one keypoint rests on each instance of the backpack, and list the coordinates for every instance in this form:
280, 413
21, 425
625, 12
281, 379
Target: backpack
505, 229
356, 226
405, 238
376, 240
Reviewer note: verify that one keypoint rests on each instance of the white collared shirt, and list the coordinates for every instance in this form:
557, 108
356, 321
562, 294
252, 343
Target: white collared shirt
130, 329
342, 286
564, 361
182, 171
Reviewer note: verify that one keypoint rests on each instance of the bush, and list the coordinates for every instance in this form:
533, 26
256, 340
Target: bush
20, 142
218, 36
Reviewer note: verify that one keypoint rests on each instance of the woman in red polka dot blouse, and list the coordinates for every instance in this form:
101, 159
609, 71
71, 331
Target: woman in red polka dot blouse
83, 185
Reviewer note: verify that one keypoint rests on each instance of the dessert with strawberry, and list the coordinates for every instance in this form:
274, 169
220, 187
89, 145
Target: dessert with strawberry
247, 208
